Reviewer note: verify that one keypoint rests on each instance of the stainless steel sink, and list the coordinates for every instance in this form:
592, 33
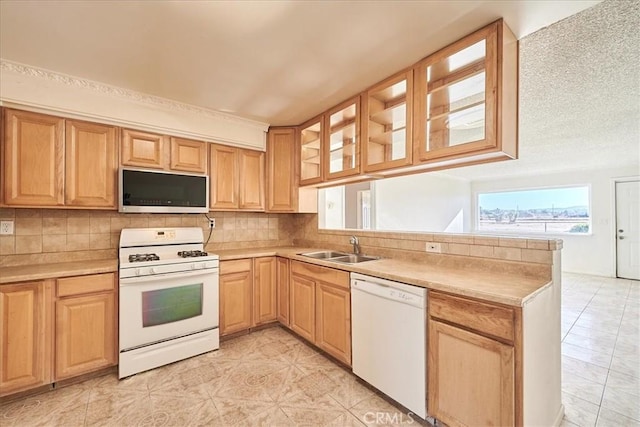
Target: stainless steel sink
324, 254
342, 257
353, 258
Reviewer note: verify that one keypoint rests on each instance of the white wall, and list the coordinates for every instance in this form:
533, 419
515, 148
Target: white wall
588, 254
430, 202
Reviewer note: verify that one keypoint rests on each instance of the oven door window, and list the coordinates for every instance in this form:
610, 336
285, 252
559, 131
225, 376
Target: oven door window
171, 305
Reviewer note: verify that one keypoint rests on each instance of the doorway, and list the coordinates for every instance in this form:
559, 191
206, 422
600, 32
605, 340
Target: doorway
628, 229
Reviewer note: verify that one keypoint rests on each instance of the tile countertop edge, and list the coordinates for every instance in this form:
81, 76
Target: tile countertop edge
534, 286
30, 273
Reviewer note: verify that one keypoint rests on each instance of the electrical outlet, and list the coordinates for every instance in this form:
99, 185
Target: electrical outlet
6, 227
212, 223
433, 247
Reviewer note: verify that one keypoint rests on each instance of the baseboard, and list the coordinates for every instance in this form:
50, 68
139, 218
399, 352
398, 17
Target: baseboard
559, 417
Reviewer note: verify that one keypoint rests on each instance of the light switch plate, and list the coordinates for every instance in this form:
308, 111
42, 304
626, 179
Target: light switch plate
6, 227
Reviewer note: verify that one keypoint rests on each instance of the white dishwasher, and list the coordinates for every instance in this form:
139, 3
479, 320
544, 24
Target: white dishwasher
388, 332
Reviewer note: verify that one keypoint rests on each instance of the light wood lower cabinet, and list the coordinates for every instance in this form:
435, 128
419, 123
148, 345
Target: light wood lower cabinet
85, 324
25, 343
471, 362
303, 301
320, 308
264, 290
236, 302
333, 320
54, 331
282, 290
247, 293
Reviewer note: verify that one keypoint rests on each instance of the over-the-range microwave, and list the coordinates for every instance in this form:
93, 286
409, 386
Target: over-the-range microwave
144, 190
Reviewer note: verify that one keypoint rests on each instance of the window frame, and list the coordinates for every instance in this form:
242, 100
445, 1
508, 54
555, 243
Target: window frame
475, 226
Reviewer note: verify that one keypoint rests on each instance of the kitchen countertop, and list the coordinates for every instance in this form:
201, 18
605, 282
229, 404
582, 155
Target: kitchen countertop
500, 287
25, 273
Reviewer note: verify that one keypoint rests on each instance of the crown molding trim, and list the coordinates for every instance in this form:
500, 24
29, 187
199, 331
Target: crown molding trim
125, 94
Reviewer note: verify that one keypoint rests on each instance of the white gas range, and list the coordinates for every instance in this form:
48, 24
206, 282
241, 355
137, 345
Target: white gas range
168, 297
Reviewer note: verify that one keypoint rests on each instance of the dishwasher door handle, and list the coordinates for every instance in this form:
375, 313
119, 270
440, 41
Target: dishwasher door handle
388, 292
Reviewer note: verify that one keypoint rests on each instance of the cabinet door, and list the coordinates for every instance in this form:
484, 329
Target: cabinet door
342, 136
142, 149
85, 334
264, 290
251, 180
33, 159
387, 124
188, 155
466, 98
282, 278
223, 177
281, 187
333, 321
311, 154
471, 378
91, 165
25, 340
235, 297
302, 307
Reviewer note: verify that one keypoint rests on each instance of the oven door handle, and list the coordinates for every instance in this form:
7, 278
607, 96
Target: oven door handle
124, 281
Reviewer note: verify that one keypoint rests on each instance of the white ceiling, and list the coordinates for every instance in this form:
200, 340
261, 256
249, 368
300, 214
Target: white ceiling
282, 62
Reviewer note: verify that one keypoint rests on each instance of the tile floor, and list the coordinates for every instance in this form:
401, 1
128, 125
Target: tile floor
600, 351
272, 378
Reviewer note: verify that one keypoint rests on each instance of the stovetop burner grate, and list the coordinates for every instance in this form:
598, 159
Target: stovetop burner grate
188, 254
143, 257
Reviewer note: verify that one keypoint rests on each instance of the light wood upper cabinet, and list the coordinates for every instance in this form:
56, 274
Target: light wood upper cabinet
342, 140
281, 185
466, 98
251, 182
33, 159
387, 123
91, 164
26, 336
472, 362
283, 191
236, 296
142, 149
224, 177
282, 293
236, 178
311, 155
188, 155
264, 290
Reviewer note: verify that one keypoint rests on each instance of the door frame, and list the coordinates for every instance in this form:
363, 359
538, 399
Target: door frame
613, 233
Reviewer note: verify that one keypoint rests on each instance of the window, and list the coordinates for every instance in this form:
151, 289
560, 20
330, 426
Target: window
550, 210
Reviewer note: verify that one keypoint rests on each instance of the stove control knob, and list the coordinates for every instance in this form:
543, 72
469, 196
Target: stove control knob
137, 271
203, 265
152, 270
193, 266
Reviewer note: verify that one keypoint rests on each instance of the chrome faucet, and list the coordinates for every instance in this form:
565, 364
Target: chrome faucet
356, 244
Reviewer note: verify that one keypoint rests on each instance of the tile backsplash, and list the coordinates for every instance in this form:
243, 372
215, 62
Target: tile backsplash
58, 235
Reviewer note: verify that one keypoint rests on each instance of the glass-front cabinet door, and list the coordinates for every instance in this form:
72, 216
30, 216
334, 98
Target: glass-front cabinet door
386, 127
311, 155
342, 149
458, 102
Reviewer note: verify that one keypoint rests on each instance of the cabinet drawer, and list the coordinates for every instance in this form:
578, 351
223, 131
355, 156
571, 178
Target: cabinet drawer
85, 284
325, 274
235, 266
485, 318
